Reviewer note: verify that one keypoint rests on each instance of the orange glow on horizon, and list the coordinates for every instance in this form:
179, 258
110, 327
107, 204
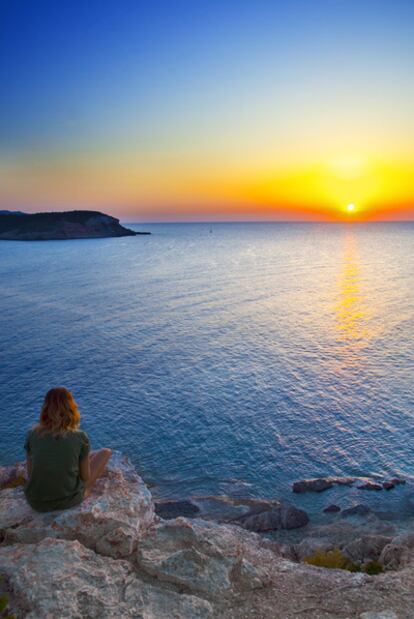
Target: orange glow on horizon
211, 114
134, 188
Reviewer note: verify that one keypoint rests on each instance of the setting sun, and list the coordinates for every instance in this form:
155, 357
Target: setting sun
271, 131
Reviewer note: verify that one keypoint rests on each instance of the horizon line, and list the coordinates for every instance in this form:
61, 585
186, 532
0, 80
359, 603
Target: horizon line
270, 221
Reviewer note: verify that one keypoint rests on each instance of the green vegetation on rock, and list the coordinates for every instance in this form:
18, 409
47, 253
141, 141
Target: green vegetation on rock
4, 603
373, 568
332, 559
335, 559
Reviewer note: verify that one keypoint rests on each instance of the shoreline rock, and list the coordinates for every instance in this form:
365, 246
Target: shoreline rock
65, 580
320, 484
173, 509
332, 509
356, 510
284, 516
113, 557
370, 485
252, 514
110, 521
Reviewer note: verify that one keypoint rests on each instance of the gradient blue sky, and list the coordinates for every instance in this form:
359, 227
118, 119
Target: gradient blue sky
183, 110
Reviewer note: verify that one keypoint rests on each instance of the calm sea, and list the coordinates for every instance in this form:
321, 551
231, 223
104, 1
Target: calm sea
222, 358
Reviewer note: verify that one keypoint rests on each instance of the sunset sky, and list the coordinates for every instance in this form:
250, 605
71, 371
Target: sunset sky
222, 110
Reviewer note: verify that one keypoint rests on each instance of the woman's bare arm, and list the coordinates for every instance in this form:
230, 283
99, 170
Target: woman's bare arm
84, 469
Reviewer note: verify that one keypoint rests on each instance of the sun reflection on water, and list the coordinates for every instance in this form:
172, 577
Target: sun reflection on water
352, 312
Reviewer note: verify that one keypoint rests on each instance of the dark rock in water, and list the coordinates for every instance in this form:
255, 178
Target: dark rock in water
61, 226
397, 481
312, 485
223, 508
385, 515
357, 510
332, 509
343, 481
319, 484
262, 506
370, 485
388, 485
292, 518
283, 517
174, 509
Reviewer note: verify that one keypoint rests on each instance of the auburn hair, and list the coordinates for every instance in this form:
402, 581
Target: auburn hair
59, 413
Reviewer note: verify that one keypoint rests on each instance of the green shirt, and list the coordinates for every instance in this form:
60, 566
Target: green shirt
54, 482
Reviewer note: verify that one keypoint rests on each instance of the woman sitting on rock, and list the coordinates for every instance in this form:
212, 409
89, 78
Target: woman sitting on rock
60, 469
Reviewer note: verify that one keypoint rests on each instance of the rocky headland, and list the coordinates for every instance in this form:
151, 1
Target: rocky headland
19, 226
121, 554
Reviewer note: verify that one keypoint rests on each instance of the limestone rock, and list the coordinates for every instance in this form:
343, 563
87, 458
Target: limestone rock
248, 575
382, 614
62, 579
189, 568
399, 553
404, 539
9, 475
392, 556
202, 557
111, 520
366, 548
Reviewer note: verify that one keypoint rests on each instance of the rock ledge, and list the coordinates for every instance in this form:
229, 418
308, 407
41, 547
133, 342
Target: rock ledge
113, 557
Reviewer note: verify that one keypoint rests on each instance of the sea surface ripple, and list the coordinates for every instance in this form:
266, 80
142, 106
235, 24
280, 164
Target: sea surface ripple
222, 358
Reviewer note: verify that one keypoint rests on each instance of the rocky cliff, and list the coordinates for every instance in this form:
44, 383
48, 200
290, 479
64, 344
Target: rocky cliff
113, 557
60, 226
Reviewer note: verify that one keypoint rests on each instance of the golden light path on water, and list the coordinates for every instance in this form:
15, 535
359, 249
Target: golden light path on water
352, 310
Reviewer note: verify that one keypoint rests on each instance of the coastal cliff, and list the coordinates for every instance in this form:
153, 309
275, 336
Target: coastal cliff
60, 226
113, 557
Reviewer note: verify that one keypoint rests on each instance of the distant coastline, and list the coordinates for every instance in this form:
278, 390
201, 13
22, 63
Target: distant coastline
18, 226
